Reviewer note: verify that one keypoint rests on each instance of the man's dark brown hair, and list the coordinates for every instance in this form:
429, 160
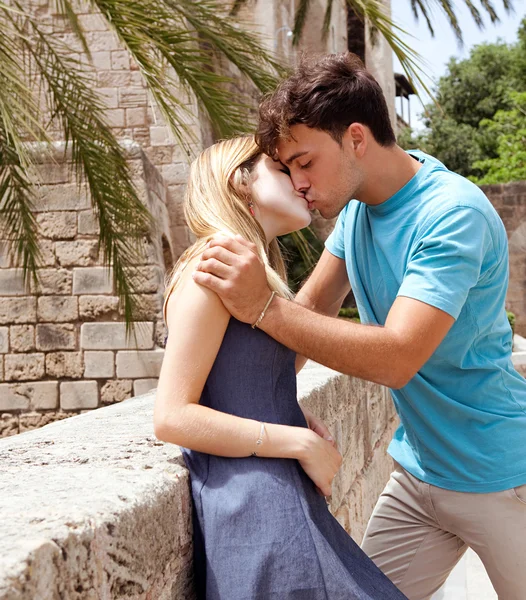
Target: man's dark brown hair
327, 93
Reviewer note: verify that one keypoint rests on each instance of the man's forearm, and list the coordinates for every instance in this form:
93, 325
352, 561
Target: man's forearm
365, 351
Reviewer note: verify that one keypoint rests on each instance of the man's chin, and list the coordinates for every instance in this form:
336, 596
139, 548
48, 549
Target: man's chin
328, 213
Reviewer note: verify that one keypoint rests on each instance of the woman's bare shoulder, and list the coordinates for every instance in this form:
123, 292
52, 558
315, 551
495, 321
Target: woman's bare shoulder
189, 297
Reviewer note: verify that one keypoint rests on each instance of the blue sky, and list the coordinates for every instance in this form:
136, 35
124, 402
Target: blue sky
438, 50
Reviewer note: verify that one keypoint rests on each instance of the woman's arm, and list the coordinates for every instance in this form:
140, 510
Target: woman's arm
197, 321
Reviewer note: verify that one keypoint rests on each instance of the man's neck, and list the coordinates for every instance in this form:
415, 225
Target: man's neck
389, 170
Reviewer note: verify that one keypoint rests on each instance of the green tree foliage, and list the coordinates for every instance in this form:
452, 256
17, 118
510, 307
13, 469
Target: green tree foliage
475, 127
508, 127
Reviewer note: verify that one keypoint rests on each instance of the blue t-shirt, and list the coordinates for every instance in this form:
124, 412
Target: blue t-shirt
439, 240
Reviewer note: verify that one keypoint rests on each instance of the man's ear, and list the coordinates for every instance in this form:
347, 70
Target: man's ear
356, 137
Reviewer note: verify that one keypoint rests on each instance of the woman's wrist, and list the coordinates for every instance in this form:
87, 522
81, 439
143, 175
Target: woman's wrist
304, 441
285, 441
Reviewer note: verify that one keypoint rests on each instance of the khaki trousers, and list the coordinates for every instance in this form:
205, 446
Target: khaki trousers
418, 532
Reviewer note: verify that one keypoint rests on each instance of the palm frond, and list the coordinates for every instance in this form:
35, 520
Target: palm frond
19, 121
327, 18
17, 222
299, 21
448, 8
177, 45
374, 13
415, 6
96, 155
188, 36
64, 8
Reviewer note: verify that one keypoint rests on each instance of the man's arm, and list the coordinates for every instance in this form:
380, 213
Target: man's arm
390, 355
324, 291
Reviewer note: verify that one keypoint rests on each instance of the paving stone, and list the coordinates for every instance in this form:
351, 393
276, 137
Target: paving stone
8, 425
61, 197
147, 280
87, 223
18, 310
120, 60
133, 97
35, 420
148, 306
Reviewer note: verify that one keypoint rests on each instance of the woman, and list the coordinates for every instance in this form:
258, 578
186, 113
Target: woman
227, 395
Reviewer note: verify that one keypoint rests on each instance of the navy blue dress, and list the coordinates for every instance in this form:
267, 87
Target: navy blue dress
261, 530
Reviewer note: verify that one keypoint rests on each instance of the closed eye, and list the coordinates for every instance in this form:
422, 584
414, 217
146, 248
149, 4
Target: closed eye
285, 170
306, 165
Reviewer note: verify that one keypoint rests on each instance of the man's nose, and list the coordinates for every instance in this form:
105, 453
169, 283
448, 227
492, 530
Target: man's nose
300, 182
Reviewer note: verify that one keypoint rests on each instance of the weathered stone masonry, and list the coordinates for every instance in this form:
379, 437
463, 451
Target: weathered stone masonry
64, 347
510, 202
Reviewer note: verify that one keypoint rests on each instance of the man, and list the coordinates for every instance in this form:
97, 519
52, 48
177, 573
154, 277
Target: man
426, 256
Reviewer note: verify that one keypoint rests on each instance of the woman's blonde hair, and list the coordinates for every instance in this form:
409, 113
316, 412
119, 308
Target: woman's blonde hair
215, 202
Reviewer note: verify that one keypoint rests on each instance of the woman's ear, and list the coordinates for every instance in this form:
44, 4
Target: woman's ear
239, 181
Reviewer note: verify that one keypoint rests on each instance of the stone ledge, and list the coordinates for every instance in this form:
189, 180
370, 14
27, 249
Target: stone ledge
96, 505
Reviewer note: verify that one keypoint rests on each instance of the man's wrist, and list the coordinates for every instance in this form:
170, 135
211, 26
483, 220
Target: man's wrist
261, 315
270, 313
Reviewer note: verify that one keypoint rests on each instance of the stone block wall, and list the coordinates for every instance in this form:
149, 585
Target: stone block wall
63, 346
510, 202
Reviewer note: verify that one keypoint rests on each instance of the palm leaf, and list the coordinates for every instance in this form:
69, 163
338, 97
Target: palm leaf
327, 18
176, 45
299, 20
96, 155
17, 221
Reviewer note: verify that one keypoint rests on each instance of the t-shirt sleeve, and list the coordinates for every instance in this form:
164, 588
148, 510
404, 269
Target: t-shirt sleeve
448, 259
335, 243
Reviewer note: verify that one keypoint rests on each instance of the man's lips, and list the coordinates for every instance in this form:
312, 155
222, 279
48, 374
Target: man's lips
310, 204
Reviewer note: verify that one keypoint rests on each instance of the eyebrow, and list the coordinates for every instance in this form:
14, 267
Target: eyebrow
295, 156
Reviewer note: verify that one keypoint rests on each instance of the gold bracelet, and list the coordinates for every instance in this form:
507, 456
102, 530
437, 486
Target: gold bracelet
260, 318
260, 439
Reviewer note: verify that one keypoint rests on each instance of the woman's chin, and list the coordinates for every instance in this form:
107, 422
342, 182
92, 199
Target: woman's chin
298, 225
307, 221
